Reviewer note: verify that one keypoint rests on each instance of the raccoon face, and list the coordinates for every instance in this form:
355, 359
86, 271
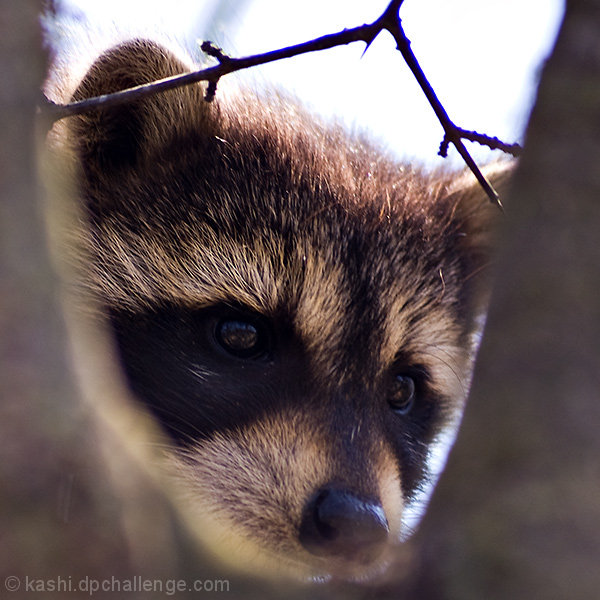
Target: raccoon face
296, 309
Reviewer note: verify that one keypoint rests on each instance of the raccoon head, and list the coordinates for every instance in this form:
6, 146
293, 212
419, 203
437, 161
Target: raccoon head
294, 307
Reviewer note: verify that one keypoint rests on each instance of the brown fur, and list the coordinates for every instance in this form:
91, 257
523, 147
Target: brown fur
366, 268
282, 469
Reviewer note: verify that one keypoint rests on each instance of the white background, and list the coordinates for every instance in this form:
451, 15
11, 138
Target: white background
481, 56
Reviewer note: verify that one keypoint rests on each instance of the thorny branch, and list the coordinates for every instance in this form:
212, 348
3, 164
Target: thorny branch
389, 21
491, 142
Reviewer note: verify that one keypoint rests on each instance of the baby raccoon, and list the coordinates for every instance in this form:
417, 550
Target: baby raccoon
296, 309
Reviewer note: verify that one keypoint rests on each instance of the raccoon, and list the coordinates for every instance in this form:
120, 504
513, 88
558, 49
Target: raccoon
296, 309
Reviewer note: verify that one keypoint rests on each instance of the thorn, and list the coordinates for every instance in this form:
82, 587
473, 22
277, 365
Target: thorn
211, 90
209, 48
443, 151
369, 42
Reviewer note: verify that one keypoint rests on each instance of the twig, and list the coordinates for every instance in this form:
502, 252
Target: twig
389, 21
364, 33
491, 142
214, 51
393, 24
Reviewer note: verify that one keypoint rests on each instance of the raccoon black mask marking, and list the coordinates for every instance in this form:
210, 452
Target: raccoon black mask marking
294, 307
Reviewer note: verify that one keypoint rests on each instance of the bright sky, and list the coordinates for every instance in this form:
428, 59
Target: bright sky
481, 56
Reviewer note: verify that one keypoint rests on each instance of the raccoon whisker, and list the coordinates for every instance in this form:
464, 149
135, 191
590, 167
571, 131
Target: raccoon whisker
452, 368
441, 296
161, 450
441, 350
183, 413
201, 373
354, 432
159, 445
478, 270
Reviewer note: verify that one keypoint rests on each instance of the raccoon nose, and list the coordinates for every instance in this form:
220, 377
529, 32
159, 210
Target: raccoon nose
338, 523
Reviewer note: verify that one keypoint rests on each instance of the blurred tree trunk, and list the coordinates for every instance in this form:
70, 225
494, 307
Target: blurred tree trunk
517, 513
73, 502
56, 508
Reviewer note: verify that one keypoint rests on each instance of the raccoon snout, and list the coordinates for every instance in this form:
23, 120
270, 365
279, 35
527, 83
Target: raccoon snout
337, 523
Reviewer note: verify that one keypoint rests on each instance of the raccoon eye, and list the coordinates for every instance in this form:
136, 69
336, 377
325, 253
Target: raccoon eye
403, 394
242, 338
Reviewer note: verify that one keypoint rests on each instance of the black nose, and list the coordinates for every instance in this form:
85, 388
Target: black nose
339, 523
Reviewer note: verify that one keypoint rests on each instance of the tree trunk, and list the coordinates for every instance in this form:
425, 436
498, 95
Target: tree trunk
517, 513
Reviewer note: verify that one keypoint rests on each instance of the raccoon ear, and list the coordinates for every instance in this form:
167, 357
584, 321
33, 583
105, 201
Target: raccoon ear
475, 221
472, 210
120, 136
